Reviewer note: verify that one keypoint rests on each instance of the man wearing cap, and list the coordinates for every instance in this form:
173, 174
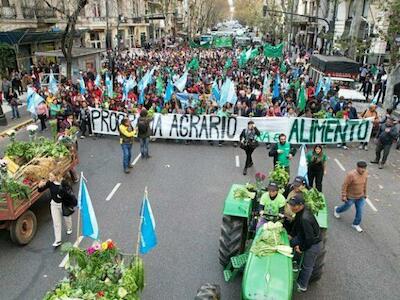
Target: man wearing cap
298, 186
305, 239
282, 152
271, 202
354, 191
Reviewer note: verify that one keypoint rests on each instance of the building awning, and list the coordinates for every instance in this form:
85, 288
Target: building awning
76, 52
24, 37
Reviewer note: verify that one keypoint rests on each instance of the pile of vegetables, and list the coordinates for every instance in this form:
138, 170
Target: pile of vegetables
280, 176
23, 152
270, 241
320, 115
314, 200
242, 193
99, 272
15, 188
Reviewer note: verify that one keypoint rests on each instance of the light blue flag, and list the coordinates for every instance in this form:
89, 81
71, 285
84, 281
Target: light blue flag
82, 86
109, 85
375, 99
184, 98
97, 81
327, 87
169, 91
319, 86
29, 93
127, 86
266, 84
216, 93
89, 221
228, 93
276, 91
33, 101
181, 82
302, 170
53, 88
148, 237
141, 97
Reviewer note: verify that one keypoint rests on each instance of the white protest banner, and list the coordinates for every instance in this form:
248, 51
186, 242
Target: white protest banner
210, 127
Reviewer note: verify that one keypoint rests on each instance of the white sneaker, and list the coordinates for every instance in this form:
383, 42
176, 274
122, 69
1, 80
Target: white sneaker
357, 227
301, 288
335, 213
360, 147
82, 137
339, 145
69, 231
56, 244
366, 148
345, 147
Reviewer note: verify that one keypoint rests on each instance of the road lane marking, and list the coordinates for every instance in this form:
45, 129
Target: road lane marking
237, 161
116, 187
371, 205
339, 164
136, 159
380, 186
66, 258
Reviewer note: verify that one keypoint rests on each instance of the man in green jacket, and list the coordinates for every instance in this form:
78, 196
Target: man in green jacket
282, 152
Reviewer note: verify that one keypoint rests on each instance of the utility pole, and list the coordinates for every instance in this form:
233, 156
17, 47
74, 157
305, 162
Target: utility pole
290, 35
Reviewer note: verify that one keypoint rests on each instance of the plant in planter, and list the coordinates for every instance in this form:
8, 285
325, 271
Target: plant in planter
99, 272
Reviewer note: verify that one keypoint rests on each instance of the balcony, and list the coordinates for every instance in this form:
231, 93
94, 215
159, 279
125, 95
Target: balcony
7, 13
45, 13
138, 20
28, 12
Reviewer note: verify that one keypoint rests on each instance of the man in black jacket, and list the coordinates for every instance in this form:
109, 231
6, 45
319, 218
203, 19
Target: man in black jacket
305, 238
387, 135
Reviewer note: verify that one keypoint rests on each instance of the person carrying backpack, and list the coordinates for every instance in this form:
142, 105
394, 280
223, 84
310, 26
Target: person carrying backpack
144, 133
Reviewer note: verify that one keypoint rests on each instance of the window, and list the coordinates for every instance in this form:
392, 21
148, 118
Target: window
96, 10
5, 3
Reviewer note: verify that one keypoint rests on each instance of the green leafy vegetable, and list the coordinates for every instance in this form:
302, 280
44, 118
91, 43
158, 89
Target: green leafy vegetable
280, 176
242, 193
314, 200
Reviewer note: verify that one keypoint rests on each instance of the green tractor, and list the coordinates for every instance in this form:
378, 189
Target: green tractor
264, 277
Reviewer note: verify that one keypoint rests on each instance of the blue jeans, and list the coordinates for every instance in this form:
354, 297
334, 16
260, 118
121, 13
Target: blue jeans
127, 154
15, 112
144, 146
359, 204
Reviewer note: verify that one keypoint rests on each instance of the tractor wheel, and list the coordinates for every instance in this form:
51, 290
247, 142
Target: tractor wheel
208, 291
232, 239
24, 228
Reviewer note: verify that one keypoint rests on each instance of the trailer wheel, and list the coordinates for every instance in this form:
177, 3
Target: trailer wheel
208, 292
24, 228
232, 239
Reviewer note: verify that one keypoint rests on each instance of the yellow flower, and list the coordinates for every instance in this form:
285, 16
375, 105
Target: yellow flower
104, 246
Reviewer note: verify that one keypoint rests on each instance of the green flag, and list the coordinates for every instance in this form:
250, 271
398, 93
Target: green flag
273, 51
254, 53
242, 59
302, 99
282, 67
194, 64
159, 85
228, 63
223, 42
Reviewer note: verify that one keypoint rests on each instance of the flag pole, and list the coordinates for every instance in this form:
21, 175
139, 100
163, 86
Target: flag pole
140, 223
78, 225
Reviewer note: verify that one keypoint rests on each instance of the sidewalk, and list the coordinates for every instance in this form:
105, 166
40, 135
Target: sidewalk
16, 124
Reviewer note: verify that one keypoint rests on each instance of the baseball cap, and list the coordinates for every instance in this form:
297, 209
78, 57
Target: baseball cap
272, 186
296, 200
299, 180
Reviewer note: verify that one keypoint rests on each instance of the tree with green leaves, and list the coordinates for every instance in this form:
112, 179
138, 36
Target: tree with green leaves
71, 16
7, 59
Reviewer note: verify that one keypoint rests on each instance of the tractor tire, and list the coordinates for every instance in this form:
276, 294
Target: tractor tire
233, 238
24, 228
208, 291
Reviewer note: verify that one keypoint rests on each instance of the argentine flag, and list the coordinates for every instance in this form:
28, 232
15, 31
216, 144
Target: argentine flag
82, 85
266, 84
97, 81
181, 82
228, 93
89, 221
302, 170
53, 88
216, 93
169, 91
33, 99
109, 85
148, 237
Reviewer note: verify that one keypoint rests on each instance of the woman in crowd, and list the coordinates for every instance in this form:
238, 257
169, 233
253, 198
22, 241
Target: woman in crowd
61, 195
316, 166
249, 143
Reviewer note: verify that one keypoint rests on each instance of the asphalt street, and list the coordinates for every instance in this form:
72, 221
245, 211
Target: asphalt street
187, 185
